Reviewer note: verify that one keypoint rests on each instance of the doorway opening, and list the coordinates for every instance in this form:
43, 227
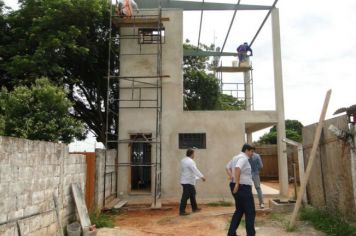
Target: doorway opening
141, 163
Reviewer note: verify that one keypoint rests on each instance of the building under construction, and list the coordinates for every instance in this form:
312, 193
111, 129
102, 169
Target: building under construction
154, 130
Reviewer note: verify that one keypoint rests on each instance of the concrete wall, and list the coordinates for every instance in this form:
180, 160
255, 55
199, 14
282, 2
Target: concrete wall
225, 135
99, 176
30, 172
225, 130
330, 183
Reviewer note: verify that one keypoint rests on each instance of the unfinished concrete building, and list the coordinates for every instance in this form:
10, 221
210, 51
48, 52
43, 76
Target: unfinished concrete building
155, 130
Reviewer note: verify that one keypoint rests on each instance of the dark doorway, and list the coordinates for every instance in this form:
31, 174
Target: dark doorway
141, 163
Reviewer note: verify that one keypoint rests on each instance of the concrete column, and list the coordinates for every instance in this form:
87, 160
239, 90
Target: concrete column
247, 83
353, 164
248, 97
278, 85
249, 138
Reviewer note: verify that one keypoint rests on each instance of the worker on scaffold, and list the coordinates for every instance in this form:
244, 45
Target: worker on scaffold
244, 51
125, 8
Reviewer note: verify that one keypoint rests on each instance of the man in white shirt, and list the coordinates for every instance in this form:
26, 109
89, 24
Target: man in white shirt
189, 175
230, 170
241, 189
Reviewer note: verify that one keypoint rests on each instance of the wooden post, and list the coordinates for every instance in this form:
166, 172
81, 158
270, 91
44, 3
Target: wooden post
295, 180
304, 181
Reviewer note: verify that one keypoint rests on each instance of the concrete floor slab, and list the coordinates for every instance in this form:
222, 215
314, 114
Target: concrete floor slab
267, 191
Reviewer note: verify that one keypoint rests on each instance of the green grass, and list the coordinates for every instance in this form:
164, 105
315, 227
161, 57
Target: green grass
331, 224
279, 217
220, 203
102, 219
282, 219
290, 228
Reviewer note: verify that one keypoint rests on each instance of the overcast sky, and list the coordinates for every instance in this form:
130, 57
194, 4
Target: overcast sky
318, 51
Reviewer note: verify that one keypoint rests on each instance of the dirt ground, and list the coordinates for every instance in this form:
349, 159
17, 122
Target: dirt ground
211, 221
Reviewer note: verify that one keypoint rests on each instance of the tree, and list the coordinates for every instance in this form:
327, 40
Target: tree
67, 42
228, 102
293, 131
201, 89
39, 112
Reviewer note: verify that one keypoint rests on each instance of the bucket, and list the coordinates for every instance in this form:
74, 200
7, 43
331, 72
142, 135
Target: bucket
234, 63
74, 229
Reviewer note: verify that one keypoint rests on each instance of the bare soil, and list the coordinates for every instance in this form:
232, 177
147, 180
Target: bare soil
211, 221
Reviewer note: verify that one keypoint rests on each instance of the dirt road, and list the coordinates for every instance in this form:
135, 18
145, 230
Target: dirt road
212, 221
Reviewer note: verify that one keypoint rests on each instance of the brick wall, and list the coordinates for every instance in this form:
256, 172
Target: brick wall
30, 172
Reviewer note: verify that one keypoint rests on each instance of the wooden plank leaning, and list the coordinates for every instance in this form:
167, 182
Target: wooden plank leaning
81, 207
311, 160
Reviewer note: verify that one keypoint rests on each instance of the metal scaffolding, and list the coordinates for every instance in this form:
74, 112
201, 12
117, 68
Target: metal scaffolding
130, 92
242, 91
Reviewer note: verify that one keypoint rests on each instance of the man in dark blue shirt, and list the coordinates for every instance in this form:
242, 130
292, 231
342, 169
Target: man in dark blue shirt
242, 52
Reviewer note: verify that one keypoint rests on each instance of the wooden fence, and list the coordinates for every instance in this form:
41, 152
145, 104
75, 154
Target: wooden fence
270, 161
90, 178
269, 157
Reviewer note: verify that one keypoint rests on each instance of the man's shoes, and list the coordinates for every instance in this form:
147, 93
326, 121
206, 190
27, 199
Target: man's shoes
183, 213
262, 205
197, 210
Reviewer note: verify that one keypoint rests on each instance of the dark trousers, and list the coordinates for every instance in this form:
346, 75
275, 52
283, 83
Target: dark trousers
246, 205
232, 185
188, 193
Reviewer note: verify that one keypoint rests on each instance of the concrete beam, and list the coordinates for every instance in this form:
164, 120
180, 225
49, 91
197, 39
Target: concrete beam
253, 127
192, 53
197, 6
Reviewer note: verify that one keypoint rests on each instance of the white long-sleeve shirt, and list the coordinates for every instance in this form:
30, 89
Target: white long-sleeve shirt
189, 171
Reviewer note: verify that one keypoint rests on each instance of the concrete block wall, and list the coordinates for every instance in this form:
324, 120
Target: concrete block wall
99, 176
331, 180
30, 173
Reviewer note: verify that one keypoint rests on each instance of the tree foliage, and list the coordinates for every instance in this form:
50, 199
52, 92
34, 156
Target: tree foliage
201, 89
293, 131
67, 42
228, 102
39, 112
